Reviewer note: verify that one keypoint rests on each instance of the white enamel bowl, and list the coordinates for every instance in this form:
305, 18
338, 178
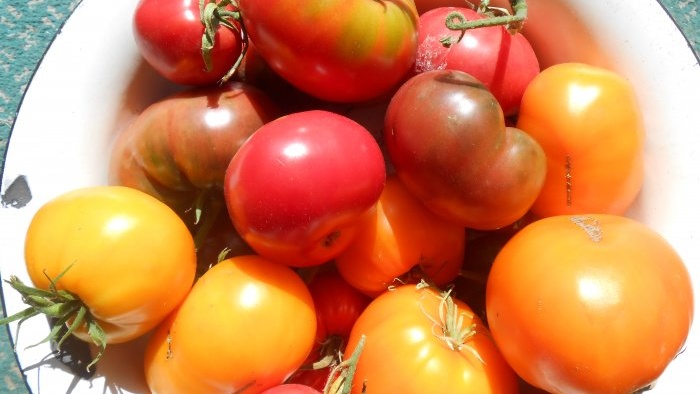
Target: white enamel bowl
89, 86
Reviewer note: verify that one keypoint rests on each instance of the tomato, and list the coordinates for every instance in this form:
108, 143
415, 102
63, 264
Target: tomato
337, 305
589, 124
347, 51
179, 147
400, 236
447, 139
297, 188
168, 34
590, 303
504, 62
421, 341
291, 388
119, 255
248, 323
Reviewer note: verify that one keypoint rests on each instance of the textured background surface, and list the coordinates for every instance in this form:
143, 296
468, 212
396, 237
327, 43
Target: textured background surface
26, 30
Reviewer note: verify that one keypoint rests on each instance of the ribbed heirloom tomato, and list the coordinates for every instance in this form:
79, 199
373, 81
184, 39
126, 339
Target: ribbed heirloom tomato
337, 50
589, 304
123, 257
179, 147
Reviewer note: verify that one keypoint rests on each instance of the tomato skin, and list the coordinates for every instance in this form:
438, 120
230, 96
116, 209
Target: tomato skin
559, 303
447, 139
247, 322
113, 239
400, 235
589, 124
181, 145
172, 45
424, 6
403, 352
504, 62
312, 218
291, 388
338, 305
347, 51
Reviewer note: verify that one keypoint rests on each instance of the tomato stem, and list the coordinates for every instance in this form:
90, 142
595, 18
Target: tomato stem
213, 15
495, 17
341, 376
66, 311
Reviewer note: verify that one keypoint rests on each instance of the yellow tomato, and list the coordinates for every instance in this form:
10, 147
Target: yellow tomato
589, 304
246, 326
589, 124
124, 254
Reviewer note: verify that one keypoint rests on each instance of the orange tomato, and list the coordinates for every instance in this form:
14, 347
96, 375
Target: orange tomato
248, 323
589, 304
423, 342
400, 234
127, 257
589, 124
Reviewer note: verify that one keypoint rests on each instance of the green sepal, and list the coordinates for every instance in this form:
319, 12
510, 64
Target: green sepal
62, 307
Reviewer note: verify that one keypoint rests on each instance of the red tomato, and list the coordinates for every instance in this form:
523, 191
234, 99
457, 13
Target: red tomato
337, 50
400, 235
423, 342
297, 188
589, 304
504, 62
247, 324
447, 139
168, 34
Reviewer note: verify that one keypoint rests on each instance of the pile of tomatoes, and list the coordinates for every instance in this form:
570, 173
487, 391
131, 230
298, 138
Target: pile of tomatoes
367, 196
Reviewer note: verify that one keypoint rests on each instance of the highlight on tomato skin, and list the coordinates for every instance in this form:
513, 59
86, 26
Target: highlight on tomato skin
600, 293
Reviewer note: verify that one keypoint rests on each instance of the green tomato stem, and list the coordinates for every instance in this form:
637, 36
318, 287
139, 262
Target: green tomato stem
214, 14
513, 23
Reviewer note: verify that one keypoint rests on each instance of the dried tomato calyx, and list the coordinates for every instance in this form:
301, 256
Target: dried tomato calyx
66, 311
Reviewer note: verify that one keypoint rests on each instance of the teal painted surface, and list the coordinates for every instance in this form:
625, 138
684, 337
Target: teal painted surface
26, 30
